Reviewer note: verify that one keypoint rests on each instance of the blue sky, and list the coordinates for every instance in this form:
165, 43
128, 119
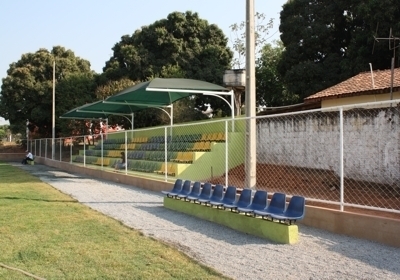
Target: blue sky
90, 28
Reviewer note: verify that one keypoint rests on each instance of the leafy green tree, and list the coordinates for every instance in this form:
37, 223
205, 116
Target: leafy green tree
270, 89
329, 41
239, 48
75, 90
26, 92
181, 45
239, 38
112, 87
3, 134
182, 39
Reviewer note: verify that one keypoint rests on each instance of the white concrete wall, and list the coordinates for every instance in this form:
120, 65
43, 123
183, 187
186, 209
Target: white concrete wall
312, 140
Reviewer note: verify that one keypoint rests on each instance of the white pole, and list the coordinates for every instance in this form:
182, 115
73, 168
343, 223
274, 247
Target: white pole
233, 110
53, 132
166, 153
341, 161
172, 117
126, 152
251, 160
226, 154
27, 134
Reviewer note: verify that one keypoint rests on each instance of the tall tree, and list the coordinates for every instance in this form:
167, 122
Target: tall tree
26, 92
182, 44
270, 89
73, 91
239, 47
329, 41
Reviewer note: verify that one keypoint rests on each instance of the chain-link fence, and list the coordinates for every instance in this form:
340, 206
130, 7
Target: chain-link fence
347, 156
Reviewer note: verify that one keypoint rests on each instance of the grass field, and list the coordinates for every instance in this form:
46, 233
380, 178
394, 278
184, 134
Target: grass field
48, 234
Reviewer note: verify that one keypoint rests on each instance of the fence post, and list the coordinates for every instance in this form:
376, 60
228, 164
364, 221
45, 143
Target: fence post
166, 152
102, 149
45, 149
70, 150
226, 153
126, 152
341, 160
84, 152
61, 149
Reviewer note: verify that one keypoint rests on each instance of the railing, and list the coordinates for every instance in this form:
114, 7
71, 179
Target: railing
345, 156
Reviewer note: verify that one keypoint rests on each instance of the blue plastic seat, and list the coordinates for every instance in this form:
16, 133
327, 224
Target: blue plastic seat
195, 192
243, 201
229, 197
276, 206
295, 210
259, 203
186, 187
176, 189
205, 193
216, 196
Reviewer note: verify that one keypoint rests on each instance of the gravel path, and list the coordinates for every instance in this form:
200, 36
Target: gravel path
318, 255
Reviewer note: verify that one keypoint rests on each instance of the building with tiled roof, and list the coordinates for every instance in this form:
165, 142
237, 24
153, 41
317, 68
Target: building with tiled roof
362, 88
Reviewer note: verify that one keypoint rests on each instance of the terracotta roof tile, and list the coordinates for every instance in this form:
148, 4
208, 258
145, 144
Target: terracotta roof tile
359, 85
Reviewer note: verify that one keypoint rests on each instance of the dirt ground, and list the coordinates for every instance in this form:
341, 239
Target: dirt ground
320, 184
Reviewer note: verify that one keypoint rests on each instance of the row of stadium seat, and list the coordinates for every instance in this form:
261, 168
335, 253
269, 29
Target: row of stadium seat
226, 198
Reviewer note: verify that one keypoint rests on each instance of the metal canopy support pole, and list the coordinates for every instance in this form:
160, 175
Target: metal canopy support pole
250, 163
231, 105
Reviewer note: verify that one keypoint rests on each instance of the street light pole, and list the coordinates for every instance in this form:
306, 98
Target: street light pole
251, 160
53, 132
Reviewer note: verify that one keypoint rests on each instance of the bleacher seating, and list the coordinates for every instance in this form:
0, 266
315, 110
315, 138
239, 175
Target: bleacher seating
181, 149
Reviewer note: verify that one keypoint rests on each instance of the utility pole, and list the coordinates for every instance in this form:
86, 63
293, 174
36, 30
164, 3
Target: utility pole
251, 156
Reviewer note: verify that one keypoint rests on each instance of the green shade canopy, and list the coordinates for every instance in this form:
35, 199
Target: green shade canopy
76, 114
151, 94
162, 92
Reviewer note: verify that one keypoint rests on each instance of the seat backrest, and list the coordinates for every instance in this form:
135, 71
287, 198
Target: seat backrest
218, 192
296, 206
195, 189
230, 195
177, 186
278, 202
206, 191
244, 198
186, 187
259, 200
